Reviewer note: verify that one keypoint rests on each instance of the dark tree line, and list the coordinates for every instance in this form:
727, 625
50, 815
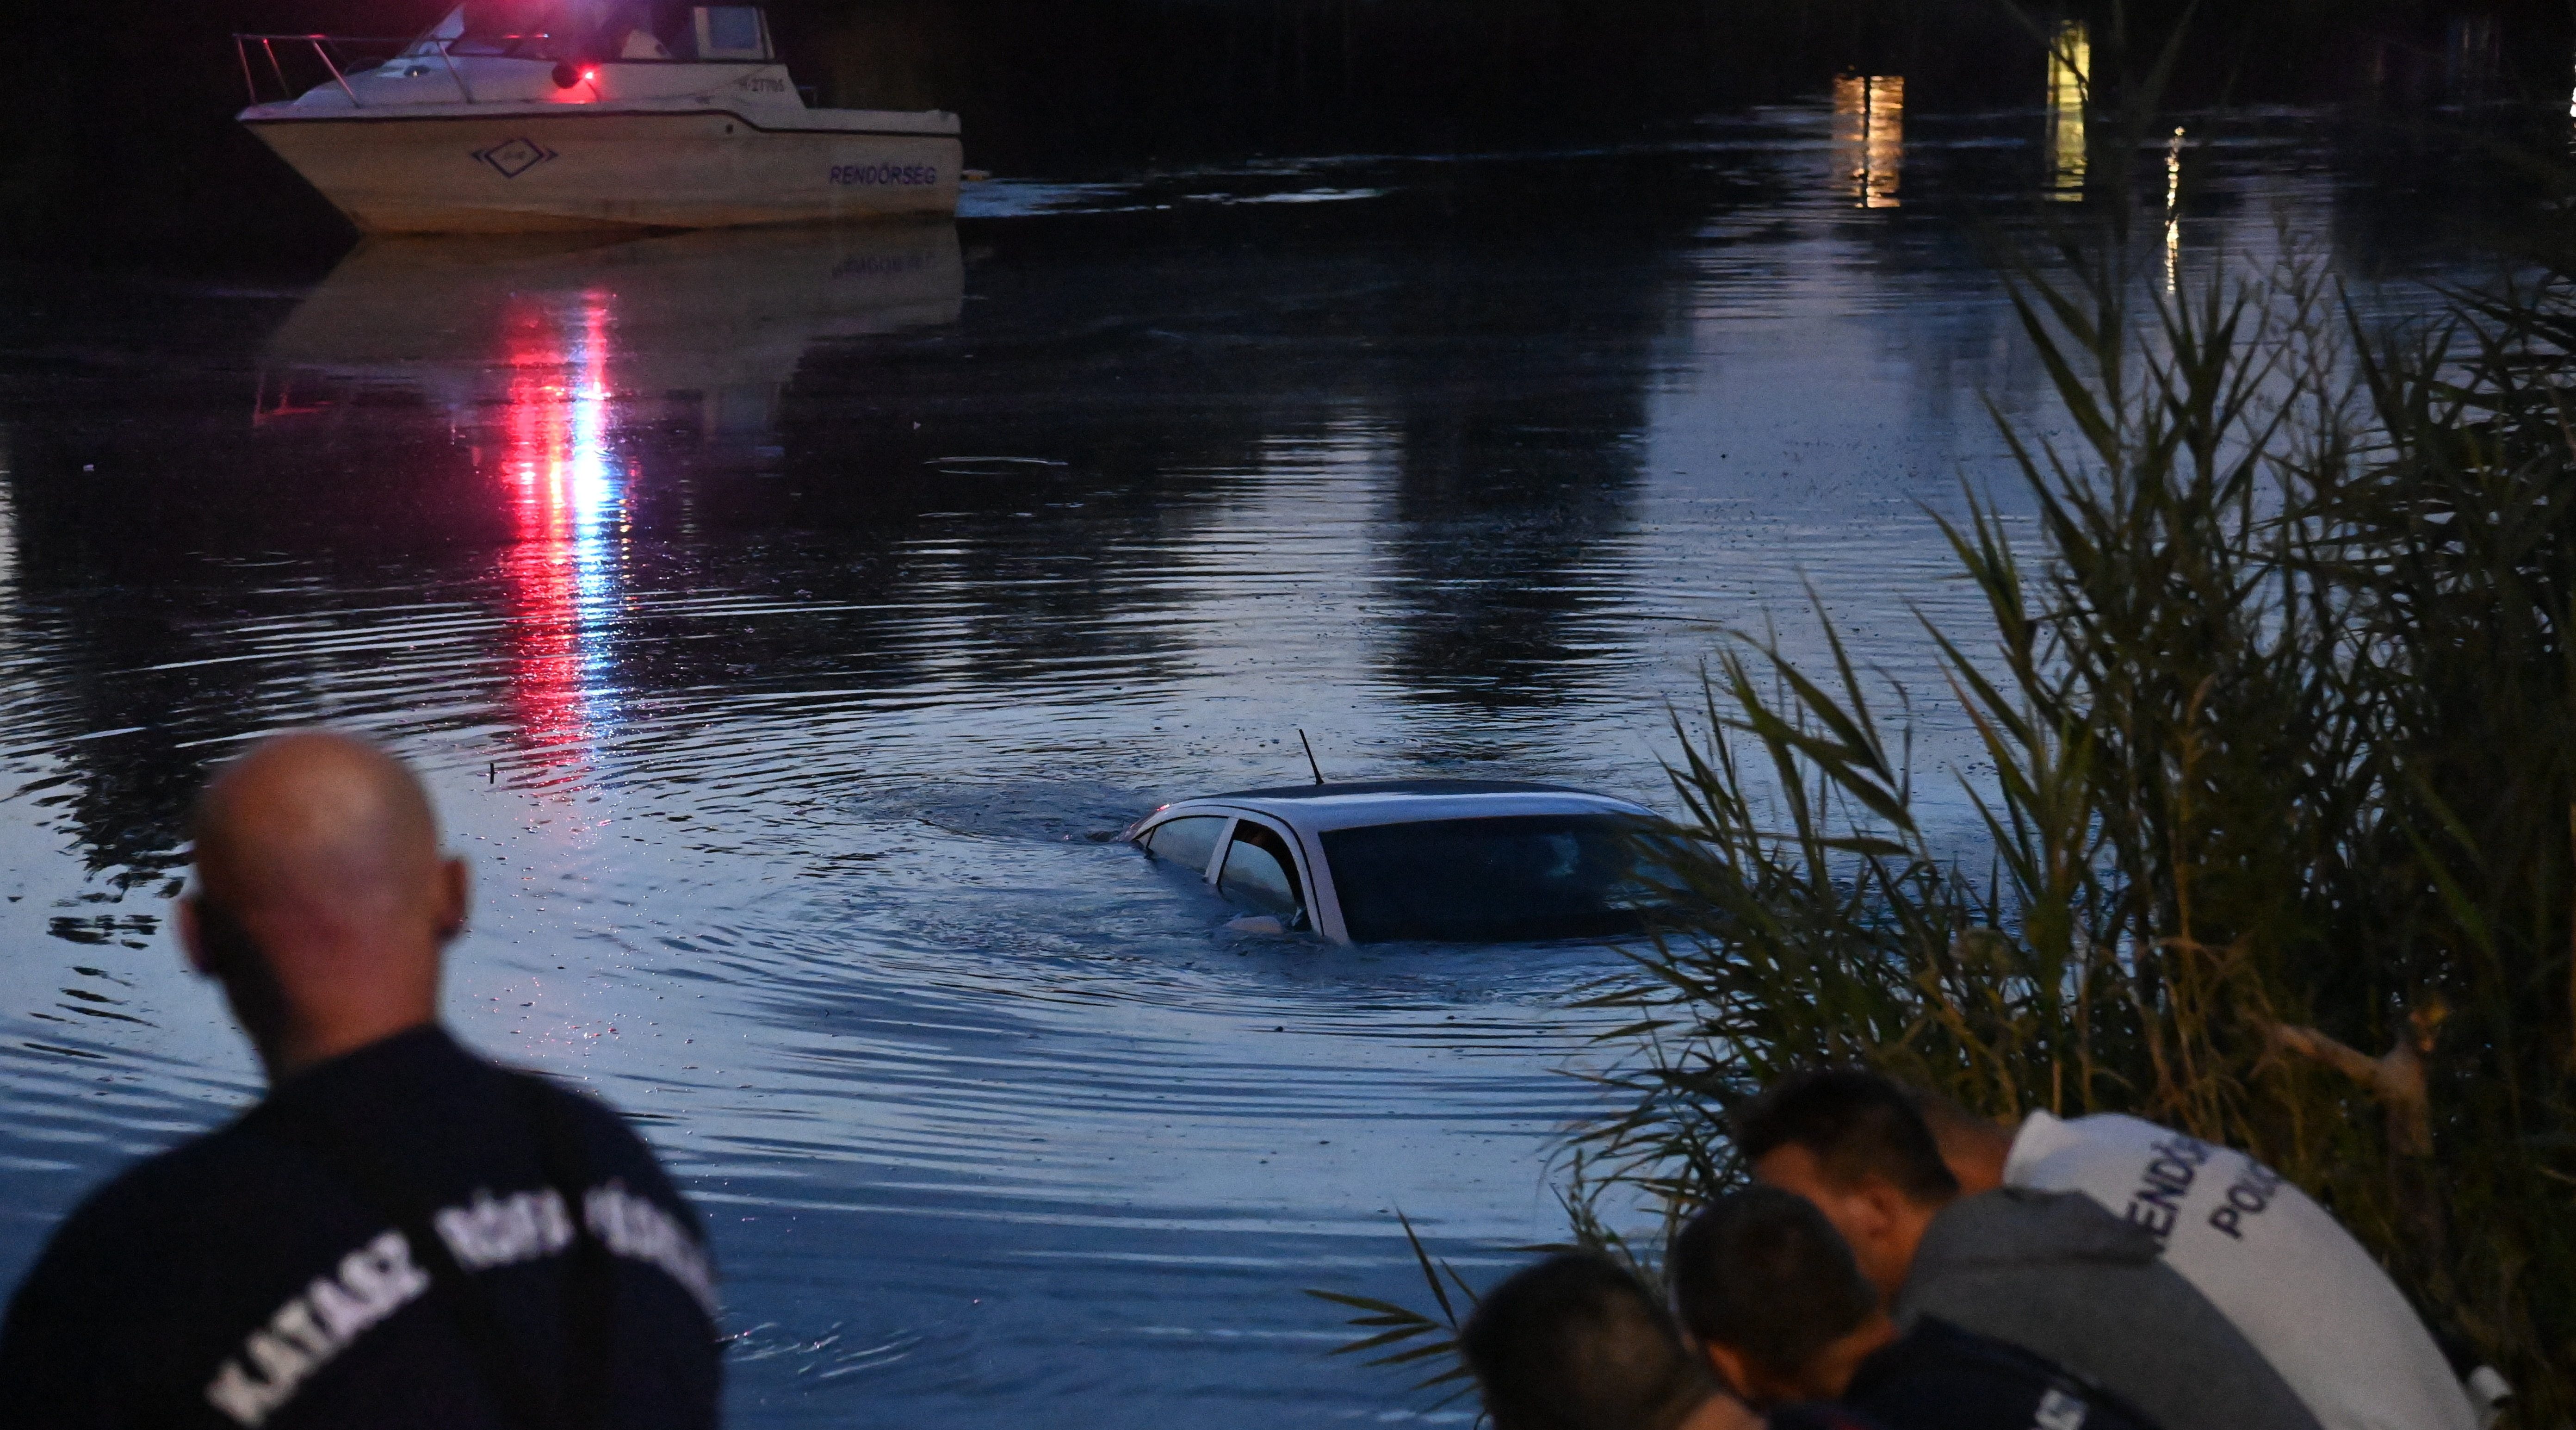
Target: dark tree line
122, 143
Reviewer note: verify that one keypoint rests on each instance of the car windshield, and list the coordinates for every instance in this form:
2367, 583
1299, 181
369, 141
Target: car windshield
1518, 877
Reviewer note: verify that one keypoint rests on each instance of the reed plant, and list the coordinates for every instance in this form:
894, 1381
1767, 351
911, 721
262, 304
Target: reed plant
2275, 820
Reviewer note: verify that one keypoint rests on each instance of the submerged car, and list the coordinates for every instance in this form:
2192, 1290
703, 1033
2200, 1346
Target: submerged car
1451, 861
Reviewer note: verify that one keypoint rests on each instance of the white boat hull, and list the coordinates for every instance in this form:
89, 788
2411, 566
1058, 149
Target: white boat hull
540, 168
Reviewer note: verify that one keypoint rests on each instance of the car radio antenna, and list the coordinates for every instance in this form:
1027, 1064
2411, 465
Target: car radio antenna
1310, 756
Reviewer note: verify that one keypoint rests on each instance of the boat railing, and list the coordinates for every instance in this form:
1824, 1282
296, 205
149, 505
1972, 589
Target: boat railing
277, 68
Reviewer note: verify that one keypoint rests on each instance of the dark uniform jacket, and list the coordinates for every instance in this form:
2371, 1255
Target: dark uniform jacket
404, 1236
1939, 1377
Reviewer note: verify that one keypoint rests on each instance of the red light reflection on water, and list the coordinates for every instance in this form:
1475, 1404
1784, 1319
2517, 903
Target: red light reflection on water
565, 500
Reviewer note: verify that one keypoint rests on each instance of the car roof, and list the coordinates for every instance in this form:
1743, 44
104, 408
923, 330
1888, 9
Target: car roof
1346, 789
1365, 802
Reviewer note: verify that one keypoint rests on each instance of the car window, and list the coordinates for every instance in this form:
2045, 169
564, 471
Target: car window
1189, 841
1490, 880
1260, 871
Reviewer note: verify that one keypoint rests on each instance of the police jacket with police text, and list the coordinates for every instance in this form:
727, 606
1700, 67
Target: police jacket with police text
405, 1236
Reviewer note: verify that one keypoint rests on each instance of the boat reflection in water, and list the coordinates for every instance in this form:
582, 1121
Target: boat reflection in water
546, 359
724, 315
1869, 136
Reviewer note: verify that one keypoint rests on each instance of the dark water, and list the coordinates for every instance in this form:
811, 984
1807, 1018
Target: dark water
775, 615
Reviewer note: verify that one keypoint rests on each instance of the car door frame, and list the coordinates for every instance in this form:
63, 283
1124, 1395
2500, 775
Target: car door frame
1296, 850
1323, 911
1216, 852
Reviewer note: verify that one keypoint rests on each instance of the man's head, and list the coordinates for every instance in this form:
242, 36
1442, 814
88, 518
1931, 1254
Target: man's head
1575, 1343
321, 901
1774, 1297
1856, 1145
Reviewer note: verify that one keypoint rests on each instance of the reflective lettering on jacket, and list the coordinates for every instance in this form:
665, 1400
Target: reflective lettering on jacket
2059, 1411
369, 1284
380, 1278
635, 1228
2166, 1181
2248, 1195
523, 1226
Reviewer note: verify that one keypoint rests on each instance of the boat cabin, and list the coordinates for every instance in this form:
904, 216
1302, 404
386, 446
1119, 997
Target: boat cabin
513, 51
628, 31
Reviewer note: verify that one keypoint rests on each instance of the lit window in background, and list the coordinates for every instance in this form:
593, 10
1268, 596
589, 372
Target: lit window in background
2070, 71
567, 504
1869, 136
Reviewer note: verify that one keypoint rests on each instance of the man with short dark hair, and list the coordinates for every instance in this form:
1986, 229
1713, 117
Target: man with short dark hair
1863, 1135
2052, 1273
1771, 1293
401, 1235
1576, 1343
1783, 1314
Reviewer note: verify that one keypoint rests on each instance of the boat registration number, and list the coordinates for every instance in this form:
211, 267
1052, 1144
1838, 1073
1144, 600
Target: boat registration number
908, 174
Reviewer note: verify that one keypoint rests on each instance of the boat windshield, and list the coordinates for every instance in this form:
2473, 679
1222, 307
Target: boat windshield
572, 29
528, 29
1505, 879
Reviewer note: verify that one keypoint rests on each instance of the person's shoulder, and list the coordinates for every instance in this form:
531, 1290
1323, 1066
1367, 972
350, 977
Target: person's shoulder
587, 1112
209, 1167
627, 1198
143, 1221
2003, 1363
610, 1146
2047, 1150
591, 1112
1941, 1375
2021, 1224
1818, 1415
2113, 1126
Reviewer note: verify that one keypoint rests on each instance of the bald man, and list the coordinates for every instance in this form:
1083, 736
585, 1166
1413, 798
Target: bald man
401, 1234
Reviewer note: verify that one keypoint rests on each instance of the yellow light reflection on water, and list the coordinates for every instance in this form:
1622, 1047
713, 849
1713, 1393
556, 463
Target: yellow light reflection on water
2070, 74
8, 526
1869, 137
2173, 211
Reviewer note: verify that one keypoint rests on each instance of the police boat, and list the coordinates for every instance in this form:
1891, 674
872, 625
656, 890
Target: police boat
518, 116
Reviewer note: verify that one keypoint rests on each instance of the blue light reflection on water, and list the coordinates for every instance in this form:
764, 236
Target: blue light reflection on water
568, 498
598, 496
